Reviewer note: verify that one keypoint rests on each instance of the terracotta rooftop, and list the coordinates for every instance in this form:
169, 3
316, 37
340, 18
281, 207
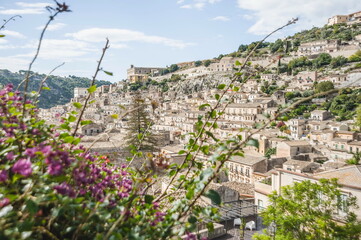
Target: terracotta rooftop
350, 175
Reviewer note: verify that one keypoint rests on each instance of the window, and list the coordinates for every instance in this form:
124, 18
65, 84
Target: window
343, 204
247, 172
260, 203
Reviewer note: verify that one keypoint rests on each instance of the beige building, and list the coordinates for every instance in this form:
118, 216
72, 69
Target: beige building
292, 148
135, 74
348, 177
337, 19
353, 18
317, 47
242, 169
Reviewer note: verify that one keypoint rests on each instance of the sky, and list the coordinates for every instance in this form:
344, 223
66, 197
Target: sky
148, 33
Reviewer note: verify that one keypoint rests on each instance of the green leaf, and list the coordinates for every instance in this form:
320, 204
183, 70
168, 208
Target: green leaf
217, 96
253, 142
32, 207
45, 88
181, 152
92, 89
203, 106
69, 139
148, 199
108, 73
221, 86
192, 219
238, 63
214, 196
71, 118
173, 172
85, 122
114, 116
77, 105
1, 35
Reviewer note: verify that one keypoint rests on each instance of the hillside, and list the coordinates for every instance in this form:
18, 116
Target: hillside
61, 88
290, 44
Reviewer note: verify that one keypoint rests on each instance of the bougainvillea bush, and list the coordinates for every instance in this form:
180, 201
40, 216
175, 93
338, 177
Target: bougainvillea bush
52, 188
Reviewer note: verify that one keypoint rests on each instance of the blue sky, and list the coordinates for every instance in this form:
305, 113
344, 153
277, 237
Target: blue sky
148, 32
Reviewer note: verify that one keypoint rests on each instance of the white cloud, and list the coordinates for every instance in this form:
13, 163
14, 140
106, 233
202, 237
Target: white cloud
118, 46
32, 5
198, 4
221, 18
117, 35
186, 6
12, 34
53, 27
22, 11
270, 14
180, 1
26, 8
59, 49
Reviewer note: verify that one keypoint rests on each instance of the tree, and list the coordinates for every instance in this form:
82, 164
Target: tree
358, 117
324, 86
306, 210
276, 46
338, 61
322, 59
242, 48
198, 63
173, 68
139, 130
355, 160
356, 57
270, 152
207, 63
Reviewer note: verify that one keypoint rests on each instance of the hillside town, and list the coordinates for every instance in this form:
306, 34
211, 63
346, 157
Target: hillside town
312, 144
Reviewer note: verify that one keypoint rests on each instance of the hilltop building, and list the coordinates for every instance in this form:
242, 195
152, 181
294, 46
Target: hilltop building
353, 18
139, 74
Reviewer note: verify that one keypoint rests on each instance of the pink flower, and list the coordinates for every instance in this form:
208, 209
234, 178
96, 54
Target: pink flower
3, 176
23, 167
10, 156
4, 202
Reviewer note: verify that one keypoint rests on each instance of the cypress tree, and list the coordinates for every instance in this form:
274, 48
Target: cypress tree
140, 132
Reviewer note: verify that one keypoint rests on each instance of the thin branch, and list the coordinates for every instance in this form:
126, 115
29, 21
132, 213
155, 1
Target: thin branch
7, 21
244, 142
106, 132
61, 8
233, 80
98, 69
44, 80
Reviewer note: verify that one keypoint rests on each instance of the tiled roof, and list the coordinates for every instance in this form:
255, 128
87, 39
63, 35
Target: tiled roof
350, 175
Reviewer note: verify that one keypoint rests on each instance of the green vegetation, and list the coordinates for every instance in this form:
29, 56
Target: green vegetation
334, 32
355, 160
324, 86
306, 210
198, 63
207, 63
344, 105
322, 60
270, 152
61, 88
356, 57
268, 88
139, 133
